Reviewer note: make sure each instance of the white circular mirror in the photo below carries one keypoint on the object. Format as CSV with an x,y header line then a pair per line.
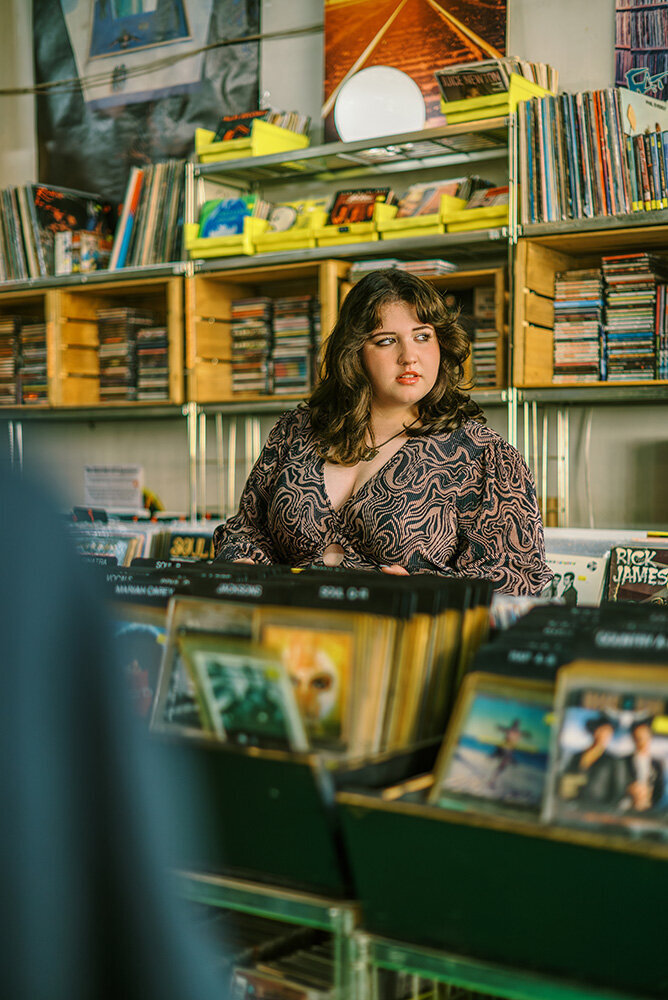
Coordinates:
x,y
380,100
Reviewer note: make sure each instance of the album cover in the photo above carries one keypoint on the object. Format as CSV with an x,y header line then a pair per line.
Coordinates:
x,y
319,662
243,691
139,635
176,708
609,751
495,751
639,573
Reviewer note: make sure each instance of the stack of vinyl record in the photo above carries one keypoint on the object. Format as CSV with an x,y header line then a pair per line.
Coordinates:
x,y
152,364
293,343
251,345
630,315
117,330
578,326
32,351
9,390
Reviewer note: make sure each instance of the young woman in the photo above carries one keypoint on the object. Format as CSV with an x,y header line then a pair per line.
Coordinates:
x,y
389,465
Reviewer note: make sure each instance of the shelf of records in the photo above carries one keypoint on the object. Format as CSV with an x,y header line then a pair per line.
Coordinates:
x,y
92,344
245,334
591,565
600,153
48,232
591,310
245,224
255,332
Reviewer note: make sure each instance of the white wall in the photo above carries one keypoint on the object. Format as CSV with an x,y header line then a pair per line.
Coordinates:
x,y
628,468
18,155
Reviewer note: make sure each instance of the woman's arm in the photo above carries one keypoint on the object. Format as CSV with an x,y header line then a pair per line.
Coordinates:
x,y
246,535
500,532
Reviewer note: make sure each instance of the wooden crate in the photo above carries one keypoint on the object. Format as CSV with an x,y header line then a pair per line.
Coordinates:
x,y
538,260
72,344
208,300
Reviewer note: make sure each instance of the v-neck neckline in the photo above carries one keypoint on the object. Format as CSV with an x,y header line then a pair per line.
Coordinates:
x,y
361,487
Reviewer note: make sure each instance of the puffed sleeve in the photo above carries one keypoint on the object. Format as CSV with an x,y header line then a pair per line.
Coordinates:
x,y
247,535
499,527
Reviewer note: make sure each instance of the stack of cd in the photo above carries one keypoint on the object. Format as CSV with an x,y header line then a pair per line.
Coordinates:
x,y
483,352
662,332
362,267
152,363
578,326
32,351
251,345
427,268
485,336
293,344
117,330
630,315
10,393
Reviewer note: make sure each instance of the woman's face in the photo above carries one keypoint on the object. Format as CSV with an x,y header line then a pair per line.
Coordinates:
x,y
401,358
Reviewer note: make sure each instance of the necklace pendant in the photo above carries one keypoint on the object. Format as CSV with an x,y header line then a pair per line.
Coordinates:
x,y
369,454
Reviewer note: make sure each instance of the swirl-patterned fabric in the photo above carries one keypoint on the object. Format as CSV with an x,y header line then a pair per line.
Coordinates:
x,y
459,503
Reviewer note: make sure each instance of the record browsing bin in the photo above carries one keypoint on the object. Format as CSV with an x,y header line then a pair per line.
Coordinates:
x,y
271,814
264,140
509,890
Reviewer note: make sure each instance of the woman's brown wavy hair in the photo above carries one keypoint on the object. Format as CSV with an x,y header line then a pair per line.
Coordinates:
x,y
340,405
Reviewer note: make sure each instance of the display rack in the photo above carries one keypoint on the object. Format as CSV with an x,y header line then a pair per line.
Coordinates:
x,y
434,147
334,916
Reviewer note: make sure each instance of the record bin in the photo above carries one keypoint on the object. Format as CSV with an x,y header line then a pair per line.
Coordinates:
x,y
570,904
271,815
264,140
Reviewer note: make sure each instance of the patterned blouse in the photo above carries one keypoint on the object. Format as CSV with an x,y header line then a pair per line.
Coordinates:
x,y
457,503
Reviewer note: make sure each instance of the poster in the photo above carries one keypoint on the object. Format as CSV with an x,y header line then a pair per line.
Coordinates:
x,y
145,74
641,47
415,36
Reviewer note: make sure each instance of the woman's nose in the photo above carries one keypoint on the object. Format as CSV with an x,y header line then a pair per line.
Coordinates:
x,y
407,353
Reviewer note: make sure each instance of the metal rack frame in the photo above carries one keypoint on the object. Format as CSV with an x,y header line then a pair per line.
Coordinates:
x,y
335,916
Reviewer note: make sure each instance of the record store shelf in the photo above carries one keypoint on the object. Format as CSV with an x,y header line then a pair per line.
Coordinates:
x,y
435,147
467,246
96,277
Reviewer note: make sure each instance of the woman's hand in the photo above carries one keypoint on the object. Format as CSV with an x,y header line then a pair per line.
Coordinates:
x,y
395,570
249,562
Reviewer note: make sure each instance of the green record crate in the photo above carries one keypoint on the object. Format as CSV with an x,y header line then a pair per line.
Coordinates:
x,y
564,903
271,816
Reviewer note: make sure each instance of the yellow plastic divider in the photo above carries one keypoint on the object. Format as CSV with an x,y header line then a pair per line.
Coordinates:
x,y
392,228
300,236
264,139
223,246
471,109
478,218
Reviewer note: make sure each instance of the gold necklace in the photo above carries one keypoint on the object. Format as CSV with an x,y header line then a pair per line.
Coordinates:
x,y
371,453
